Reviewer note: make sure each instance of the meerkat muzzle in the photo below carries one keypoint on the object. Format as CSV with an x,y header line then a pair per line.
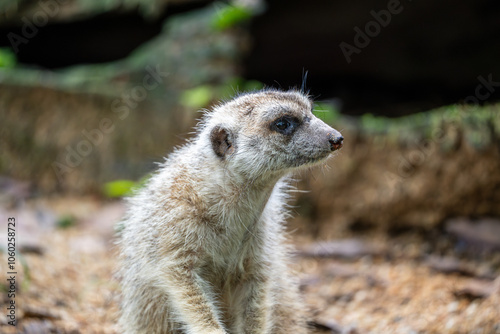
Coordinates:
x,y
336,142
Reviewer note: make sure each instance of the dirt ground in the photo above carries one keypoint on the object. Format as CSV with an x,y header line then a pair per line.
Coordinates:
x,y
371,283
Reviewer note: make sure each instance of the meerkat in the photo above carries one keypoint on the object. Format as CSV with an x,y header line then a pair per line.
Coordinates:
x,y
203,246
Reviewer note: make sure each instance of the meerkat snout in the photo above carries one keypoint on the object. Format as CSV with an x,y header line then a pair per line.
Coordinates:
x,y
336,141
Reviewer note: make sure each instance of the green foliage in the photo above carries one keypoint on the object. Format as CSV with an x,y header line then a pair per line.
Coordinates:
x,y
230,15
142,182
7,58
66,222
148,8
238,84
201,96
374,123
27,273
26,270
478,126
198,97
326,112
482,125
119,188
252,85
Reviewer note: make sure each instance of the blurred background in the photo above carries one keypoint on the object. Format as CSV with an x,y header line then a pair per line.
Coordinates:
x,y
400,233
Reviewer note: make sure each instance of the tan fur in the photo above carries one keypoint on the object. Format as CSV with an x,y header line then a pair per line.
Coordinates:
x,y
203,246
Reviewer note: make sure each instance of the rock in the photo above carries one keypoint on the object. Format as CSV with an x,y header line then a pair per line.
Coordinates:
x,y
38,327
483,233
449,265
347,248
476,288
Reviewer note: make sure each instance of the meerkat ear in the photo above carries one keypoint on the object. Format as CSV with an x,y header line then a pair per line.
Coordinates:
x,y
222,141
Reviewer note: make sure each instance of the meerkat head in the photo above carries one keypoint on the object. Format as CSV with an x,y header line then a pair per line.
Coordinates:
x,y
269,132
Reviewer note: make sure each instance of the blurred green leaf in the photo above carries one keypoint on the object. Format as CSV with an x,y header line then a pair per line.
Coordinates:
x,y
118,188
252,85
236,85
27,272
7,58
229,16
198,97
375,124
66,221
326,112
143,181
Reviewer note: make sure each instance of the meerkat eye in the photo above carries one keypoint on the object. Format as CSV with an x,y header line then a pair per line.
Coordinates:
x,y
282,124
285,125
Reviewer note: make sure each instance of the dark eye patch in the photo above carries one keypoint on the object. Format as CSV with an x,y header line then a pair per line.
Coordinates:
x,y
285,125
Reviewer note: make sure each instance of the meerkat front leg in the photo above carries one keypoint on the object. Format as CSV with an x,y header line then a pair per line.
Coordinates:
x,y
257,317
255,314
191,302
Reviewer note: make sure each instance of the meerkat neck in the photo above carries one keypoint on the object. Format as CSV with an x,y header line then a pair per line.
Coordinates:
x,y
242,191
232,193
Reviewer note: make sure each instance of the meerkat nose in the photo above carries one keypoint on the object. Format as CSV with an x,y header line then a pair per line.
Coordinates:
x,y
335,142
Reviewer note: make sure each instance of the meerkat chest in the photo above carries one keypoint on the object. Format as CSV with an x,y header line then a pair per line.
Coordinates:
x,y
239,242
245,235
